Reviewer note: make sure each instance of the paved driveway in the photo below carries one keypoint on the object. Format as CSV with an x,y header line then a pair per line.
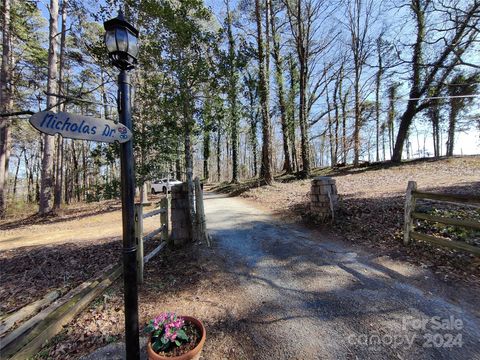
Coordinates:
x,y
310,297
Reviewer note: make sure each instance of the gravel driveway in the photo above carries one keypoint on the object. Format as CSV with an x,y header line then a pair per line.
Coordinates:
x,y
309,297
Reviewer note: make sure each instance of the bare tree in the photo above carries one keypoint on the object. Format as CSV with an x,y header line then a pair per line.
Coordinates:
x,y
305,20
5,103
278,59
253,112
337,106
378,104
392,114
459,89
291,106
343,98
447,45
435,117
57,201
232,93
46,185
360,18
266,169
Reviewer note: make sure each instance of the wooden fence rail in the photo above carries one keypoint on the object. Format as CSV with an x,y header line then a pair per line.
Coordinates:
x,y
413,195
164,229
29,336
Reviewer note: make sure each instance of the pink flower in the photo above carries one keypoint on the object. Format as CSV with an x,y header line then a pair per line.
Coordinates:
x,y
170,333
170,324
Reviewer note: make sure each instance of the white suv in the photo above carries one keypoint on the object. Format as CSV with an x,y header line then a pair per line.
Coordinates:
x,y
163,185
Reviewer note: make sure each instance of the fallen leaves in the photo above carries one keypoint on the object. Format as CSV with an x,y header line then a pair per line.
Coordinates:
x,y
371,208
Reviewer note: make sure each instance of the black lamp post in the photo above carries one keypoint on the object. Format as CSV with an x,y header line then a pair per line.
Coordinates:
x,y
121,39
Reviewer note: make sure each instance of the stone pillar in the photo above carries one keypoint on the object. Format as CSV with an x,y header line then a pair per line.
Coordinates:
x,y
323,198
180,217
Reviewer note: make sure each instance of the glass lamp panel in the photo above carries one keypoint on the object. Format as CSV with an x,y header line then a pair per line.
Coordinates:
x,y
110,41
132,44
122,41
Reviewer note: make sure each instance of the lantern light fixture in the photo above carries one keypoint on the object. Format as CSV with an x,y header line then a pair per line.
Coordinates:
x,y
121,39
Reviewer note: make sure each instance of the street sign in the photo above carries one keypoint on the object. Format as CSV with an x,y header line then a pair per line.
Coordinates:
x,y
80,127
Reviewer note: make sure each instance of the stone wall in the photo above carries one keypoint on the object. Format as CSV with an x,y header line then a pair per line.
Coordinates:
x,y
323,198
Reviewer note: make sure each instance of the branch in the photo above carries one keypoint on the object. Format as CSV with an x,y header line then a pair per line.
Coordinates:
x,y
319,117
17,113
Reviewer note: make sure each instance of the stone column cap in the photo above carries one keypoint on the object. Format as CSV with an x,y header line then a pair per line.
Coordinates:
x,y
323,180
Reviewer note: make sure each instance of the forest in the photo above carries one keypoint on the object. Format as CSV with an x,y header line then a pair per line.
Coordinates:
x,y
231,90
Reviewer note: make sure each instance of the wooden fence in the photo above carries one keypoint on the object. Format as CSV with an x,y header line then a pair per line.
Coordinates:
x,y
37,323
410,214
140,238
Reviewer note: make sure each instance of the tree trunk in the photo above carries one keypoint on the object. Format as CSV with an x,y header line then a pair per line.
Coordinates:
x,y
344,127
37,179
252,88
302,41
189,171
287,164
178,170
436,139
5,104
57,200
188,121
253,142
391,116
337,93
227,155
232,95
29,176
402,135
16,173
219,153
305,149
84,170
415,93
329,129
451,131
378,80
67,175
48,146
266,169
291,111
358,118
76,172
434,114
206,154
383,141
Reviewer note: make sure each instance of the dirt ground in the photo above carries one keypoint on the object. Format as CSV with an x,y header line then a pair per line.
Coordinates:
x,y
38,255
191,280
371,209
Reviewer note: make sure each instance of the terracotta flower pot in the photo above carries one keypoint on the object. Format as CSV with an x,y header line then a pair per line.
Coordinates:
x,y
193,354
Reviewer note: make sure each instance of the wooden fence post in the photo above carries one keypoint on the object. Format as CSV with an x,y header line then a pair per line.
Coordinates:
x,y
200,212
139,240
165,218
410,204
